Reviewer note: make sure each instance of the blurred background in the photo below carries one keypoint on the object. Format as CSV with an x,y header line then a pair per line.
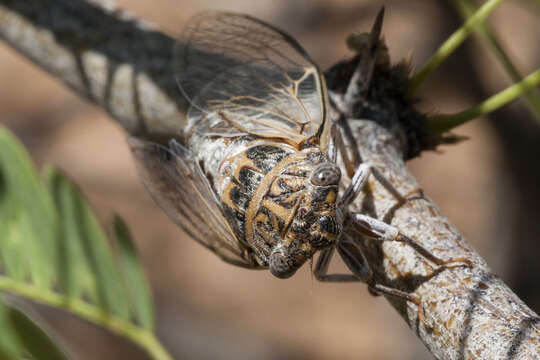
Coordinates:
x,y
488,186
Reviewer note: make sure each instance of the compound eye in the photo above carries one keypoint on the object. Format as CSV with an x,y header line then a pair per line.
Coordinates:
x,y
326,174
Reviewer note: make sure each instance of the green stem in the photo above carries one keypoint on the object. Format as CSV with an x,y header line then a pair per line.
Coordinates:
x,y
442,123
467,9
451,44
137,335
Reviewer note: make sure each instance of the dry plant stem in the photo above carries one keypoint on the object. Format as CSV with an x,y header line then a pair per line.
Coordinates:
x,y
105,55
472,313
124,66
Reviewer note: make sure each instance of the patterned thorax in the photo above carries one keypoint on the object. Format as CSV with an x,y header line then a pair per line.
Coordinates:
x,y
269,198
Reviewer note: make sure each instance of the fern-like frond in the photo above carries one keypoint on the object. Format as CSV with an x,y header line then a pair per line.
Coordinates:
x,y
53,251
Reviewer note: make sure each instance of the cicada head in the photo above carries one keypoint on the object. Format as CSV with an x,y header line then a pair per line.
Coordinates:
x,y
316,225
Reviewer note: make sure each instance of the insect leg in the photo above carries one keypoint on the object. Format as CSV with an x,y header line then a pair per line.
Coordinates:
x,y
392,189
395,293
350,161
358,181
356,262
361,174
379,230
321,269
332,144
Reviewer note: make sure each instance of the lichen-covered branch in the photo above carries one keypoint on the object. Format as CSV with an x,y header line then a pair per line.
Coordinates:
x,y
124,66
472,314
104,54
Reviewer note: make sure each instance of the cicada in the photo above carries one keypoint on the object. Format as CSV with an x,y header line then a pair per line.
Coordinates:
x,y
253,181
255,178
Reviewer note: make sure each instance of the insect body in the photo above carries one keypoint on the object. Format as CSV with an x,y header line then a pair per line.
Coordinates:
x,y
254,182
281,203
256,179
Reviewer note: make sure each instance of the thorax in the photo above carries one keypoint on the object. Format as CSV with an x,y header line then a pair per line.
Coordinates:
x,y
258,182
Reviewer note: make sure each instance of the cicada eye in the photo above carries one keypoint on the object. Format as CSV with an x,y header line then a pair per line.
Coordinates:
x,y
326,174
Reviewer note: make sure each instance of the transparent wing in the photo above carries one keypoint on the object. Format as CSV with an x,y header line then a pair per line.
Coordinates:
x,y
237,69
176,183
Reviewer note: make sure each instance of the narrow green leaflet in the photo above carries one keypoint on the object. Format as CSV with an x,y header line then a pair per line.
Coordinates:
x,y
53,251
87,266
10,343
27,218
36,343
135,280
21,337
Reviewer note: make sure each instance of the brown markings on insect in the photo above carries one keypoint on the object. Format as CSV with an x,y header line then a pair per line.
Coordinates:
x,y
274,208
250,168
254,221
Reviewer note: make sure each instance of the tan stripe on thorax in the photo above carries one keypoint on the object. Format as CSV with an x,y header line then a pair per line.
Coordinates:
x,y
263,189
242,162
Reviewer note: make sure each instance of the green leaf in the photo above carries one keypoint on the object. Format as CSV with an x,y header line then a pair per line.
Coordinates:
x,y
10,344
21,337
134,278
33,339
86,266
27,217
53,251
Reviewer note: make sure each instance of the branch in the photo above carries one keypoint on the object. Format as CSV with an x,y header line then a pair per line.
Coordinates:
x,y
472,313
124,66
104,54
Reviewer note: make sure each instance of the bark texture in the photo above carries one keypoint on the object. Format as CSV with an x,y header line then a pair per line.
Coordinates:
x,y
472,314
116,61
124,66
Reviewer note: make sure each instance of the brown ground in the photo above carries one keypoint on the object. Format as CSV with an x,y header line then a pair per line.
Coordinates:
x,y
208,309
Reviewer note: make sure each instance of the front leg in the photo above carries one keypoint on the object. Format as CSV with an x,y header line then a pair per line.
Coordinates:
x,y
321,269
379,230
358,171
359,180
356,262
